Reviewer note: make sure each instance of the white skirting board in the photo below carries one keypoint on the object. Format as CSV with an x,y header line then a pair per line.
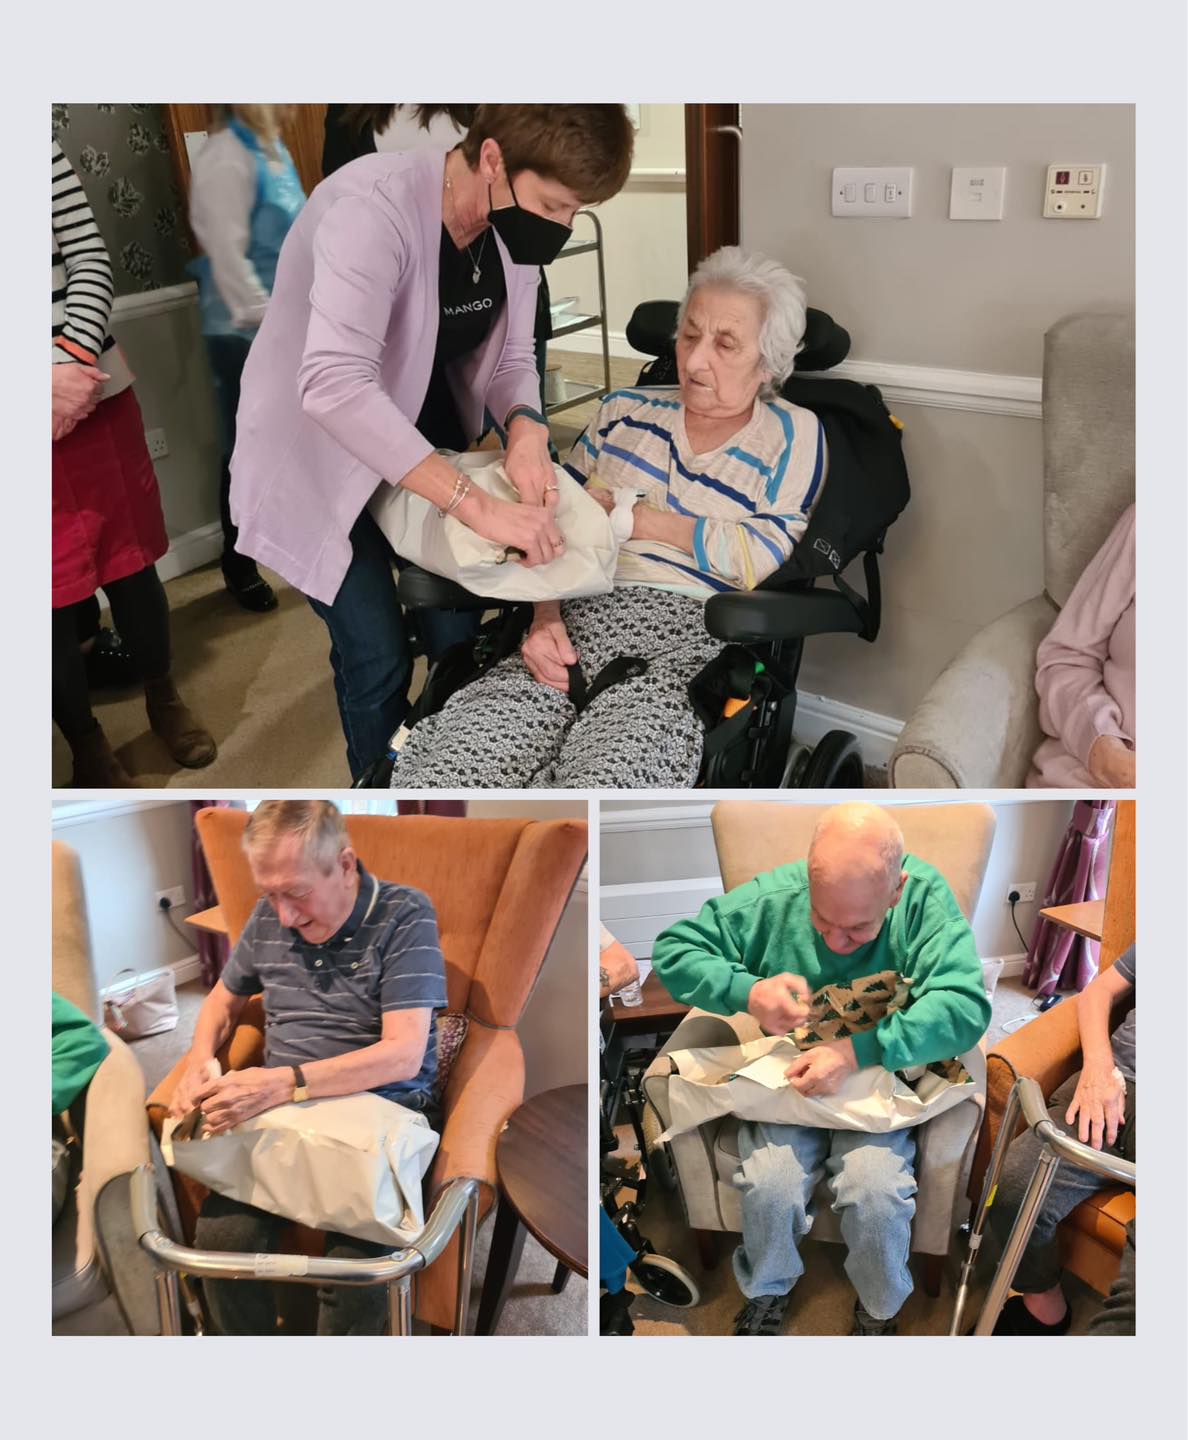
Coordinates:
x,y
191,551
818,714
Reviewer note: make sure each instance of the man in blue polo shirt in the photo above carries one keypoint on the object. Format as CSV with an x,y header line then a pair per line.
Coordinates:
x,y
351,972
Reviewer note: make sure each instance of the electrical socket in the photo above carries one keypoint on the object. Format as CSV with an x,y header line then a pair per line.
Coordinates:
x,y
176,896
1026,889
158,446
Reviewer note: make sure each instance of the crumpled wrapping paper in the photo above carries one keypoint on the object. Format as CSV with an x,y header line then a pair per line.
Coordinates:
x,y
353,1163
747,1081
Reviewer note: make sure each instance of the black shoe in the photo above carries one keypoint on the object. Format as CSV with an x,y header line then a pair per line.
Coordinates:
x,y
761,1316
614,1317
247,586
109,663
1016,1319
865,1324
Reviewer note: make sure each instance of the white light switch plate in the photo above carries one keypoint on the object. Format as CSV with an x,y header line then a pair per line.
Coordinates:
x,y
1073,192
879,190
976,192
195,139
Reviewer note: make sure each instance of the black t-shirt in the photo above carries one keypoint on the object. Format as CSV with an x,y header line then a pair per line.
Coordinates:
x,y
468,308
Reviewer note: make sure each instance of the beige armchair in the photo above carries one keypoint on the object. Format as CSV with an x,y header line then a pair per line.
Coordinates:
x,y
101,1284
752,837
978,725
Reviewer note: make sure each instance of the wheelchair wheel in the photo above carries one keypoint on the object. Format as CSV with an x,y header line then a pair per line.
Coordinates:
x,y
835,764
798,759
664,1280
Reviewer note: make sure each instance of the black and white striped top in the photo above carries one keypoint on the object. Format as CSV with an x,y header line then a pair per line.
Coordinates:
x,y
82,284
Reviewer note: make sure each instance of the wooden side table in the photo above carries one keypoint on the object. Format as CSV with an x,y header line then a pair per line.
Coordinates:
x,y
1086,918
540,1161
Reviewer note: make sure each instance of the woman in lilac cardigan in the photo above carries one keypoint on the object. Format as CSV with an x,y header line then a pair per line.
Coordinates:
x,y
1085,675
403,307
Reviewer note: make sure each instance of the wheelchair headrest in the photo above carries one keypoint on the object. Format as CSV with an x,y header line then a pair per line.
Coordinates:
x,y
653,325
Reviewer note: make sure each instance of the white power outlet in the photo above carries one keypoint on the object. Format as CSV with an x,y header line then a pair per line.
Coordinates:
x,y
1026,889
158,446
176,895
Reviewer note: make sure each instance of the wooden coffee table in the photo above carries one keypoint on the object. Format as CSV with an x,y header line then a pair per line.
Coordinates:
x,y
540,1159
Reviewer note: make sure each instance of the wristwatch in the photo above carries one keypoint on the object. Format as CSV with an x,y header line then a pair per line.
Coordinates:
x,y
300,1088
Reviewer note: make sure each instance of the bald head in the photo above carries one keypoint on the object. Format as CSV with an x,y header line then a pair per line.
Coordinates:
x,y
855,867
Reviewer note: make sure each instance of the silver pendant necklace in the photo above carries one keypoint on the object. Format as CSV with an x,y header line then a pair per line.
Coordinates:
x,y
476,273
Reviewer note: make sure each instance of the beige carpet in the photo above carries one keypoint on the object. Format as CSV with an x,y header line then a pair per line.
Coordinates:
x,y
531,1307
823,1301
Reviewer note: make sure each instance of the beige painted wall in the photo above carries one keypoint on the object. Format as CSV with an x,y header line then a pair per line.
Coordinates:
x,y
1025,843
125,859
644,233
174,390
933,292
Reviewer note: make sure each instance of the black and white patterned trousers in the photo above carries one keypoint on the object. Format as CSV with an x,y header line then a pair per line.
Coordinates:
x,y
506,730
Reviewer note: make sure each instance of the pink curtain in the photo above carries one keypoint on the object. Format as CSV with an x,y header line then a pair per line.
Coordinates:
x,y
212,949
431,807
1059,959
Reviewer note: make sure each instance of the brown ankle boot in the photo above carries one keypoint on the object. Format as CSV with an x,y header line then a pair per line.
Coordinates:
x,y
95,764
186,740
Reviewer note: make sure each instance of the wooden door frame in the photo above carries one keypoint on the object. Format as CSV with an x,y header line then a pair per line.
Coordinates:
x,y
712,163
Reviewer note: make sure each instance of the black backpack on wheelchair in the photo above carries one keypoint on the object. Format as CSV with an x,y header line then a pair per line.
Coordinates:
x,y
746,697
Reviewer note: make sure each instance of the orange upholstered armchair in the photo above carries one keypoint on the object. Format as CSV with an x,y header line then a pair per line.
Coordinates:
x,y
1049,1051
499,888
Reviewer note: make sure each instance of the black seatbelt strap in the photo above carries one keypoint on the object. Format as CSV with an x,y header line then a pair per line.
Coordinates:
x,y
625,667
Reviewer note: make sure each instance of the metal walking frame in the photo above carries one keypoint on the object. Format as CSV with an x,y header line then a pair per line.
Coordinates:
x,y
1055,1146
456,1209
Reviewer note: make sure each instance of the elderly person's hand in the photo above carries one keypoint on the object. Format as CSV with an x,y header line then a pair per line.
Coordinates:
x,y
780,1003
240,1094
195,1077
528,463
1111,763
547,649
76,390
620,968
1098,1105
821,1070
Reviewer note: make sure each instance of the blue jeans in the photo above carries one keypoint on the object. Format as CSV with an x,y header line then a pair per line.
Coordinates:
x,y
370,648
873,1185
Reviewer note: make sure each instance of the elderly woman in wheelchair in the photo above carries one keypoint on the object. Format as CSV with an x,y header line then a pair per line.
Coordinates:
x,y
725,475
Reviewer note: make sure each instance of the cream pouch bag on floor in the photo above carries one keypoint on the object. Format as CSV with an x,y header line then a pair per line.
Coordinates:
x,y
354,1163
444,546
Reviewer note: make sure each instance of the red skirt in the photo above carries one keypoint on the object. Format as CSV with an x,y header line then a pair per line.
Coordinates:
x,y
107,507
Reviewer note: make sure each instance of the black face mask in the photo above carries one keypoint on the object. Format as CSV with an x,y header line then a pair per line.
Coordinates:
x,y
530,238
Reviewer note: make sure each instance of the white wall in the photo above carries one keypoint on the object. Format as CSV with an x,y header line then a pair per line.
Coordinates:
x,y
128,850
644,235
672,841
970,299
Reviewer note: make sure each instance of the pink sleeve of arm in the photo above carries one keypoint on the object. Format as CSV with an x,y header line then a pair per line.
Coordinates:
x,y
516,381
359,255
1075,706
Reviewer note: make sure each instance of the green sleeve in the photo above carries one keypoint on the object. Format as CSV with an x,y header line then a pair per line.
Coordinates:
x,y
948,1010
78,1051
699,962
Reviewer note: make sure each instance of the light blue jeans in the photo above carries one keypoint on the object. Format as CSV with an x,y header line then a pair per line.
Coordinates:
x,y
873,1183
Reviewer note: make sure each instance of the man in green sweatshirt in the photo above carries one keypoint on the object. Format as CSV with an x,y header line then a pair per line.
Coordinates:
x,y
857,906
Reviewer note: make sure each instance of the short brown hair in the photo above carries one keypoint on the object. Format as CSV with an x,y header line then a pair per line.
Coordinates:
x,y
586,147
318,823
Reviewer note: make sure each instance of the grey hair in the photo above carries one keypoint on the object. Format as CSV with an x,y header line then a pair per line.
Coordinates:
x,y
870,822
781,297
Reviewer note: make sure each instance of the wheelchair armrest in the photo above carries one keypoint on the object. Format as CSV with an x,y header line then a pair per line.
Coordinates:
x,y
750,615
420,590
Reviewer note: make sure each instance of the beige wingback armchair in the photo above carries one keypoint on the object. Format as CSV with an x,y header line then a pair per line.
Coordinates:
x,y
978,724
752,837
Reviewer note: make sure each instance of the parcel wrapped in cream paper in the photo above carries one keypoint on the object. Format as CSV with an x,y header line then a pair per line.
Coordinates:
x,y
748,1081
354,1163
441,544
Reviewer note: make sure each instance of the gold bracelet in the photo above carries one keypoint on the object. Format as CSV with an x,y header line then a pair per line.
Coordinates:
x,y
462,486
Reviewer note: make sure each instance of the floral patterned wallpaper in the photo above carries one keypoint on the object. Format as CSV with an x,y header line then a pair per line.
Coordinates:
x,y
121,155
